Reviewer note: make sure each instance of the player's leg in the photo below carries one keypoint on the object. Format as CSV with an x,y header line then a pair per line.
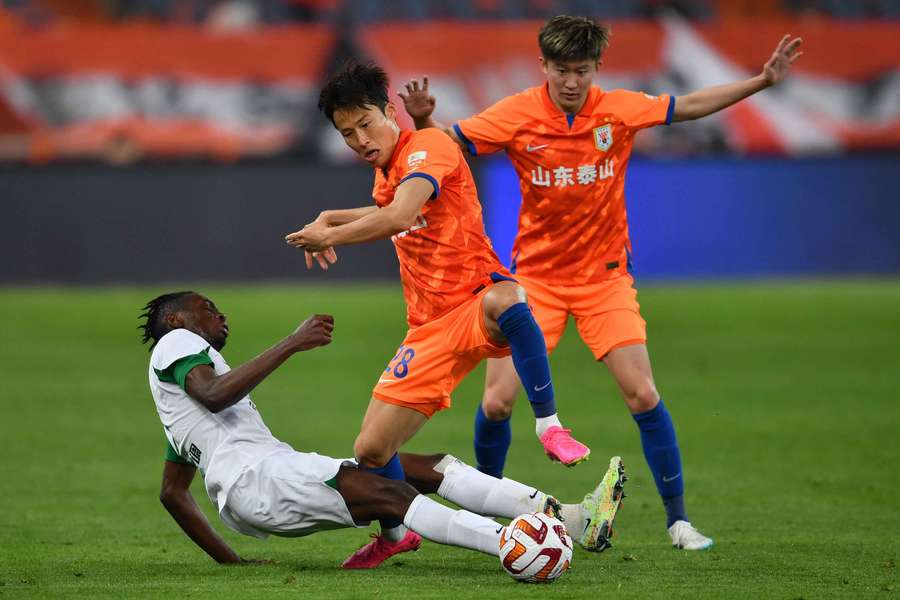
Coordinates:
x,y
493,433
502,386
454,480
630,366
509,319
370,497
608,318
469,488
385,428
609,321
411,389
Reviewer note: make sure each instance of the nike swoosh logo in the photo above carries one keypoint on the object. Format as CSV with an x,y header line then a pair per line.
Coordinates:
x,y
534,495
543,387
588,524
668,479
530,148
387,381
499,530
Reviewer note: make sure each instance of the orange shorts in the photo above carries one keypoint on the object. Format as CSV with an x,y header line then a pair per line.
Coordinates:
x,y
607,314
435,357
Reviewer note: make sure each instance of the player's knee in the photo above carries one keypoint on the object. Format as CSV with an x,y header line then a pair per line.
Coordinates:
x,y
497,403
370,455
500,297
642,397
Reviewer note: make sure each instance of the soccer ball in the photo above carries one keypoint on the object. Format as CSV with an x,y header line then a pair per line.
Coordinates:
x,y
535,548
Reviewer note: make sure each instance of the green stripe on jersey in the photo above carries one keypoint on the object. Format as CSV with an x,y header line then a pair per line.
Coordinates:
x,y
178,370
173,456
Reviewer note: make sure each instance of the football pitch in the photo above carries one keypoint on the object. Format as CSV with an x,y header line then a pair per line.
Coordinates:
x,y
784,395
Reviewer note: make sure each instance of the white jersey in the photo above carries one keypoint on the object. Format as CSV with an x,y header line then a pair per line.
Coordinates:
x,y
222,445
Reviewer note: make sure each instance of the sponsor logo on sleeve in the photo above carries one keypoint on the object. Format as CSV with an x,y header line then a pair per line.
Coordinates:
x,y
416,159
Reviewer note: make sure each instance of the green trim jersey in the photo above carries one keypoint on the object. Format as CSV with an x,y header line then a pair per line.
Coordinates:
x,y
222,445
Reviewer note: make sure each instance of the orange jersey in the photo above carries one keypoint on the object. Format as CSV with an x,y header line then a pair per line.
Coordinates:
x,y
445,255
572,225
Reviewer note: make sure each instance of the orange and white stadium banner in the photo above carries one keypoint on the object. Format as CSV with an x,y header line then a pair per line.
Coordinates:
x,y
844,94
144,90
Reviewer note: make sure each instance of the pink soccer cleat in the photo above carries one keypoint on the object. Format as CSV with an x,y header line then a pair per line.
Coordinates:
x,y
560,446
380,549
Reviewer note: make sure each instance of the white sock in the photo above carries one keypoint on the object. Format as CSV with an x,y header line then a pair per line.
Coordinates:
x,y
542,424
444,525
394,534
473,490
575,521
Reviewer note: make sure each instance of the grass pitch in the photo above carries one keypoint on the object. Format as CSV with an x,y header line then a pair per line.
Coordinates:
x,y
784,397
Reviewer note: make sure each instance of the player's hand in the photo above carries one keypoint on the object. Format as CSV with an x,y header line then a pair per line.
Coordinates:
x,y
779,64
417,101
313,332
311,238
324,258
324,218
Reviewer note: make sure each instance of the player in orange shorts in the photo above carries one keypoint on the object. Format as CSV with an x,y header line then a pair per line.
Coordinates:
x,y
570,142
462,305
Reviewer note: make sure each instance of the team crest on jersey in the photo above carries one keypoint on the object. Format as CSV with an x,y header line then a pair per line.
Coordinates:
x,y
416,159
603,137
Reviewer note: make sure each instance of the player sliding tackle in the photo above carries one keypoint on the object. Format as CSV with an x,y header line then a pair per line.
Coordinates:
x,y
261,486
462,304
570,142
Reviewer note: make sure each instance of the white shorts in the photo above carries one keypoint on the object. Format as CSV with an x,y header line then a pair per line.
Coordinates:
x,y
288,494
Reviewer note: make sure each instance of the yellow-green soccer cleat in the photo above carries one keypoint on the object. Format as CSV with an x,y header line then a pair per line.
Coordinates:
x,y
599,508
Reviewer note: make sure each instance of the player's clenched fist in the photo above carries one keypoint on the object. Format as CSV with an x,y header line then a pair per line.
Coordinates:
x,y
313,332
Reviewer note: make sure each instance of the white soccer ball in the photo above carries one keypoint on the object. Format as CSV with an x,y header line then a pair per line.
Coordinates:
x,y
535,548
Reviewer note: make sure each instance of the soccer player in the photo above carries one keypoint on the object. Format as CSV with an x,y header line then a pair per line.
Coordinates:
x,y
260,485
462,305
570,142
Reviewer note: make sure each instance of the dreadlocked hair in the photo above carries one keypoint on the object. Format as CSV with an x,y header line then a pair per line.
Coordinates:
x,y
155,313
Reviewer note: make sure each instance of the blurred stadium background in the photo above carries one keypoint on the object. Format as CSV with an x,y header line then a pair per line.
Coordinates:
x,y
146,142
112,112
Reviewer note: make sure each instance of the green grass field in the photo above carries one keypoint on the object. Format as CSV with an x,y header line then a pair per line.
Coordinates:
x,y
784,396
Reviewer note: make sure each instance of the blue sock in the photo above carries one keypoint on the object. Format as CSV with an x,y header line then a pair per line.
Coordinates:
x,y
529,354
392,470
492,439
664,458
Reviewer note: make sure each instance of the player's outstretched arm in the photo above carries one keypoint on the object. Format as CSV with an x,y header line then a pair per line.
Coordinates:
x,y
175,495
396,217
218,392
419,104
333,218
713,99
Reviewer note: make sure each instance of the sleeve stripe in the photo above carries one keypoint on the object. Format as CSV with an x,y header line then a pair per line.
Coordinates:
x,y
186,364
437,188
173,456
671,111
472,149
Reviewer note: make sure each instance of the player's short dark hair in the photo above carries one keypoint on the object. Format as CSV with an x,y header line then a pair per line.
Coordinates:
x,y
155,311
570,39
355,86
